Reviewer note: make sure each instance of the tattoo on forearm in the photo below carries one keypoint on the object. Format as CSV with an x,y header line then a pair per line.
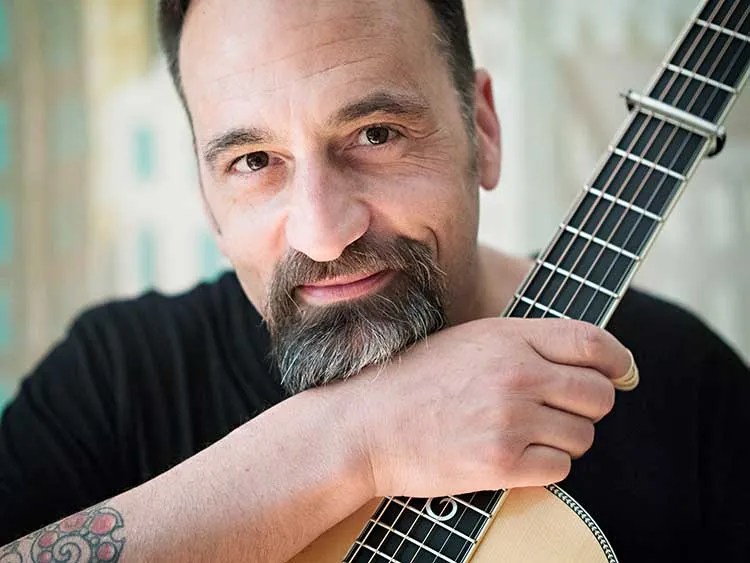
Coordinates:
x,y
94,535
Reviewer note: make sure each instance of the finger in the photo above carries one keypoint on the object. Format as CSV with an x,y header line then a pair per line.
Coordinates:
x,y
580,391
561,430
630,380
577,343
540,465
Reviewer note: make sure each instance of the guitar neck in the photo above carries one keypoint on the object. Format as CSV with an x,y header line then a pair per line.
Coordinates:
x,y
584,271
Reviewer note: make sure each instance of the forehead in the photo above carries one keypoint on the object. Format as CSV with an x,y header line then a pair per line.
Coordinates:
x,y
235,54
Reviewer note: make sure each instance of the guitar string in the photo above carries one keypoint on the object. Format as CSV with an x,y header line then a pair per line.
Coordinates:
x,y
384,504
463,512
374,521
539,271
420,514
482,520
565,253
692,106
458,520
703,30
612,205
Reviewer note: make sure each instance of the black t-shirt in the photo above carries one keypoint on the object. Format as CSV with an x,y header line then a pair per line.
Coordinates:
x,y
138,386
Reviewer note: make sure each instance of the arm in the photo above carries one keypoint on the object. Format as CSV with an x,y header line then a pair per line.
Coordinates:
x,y
490,404
262,493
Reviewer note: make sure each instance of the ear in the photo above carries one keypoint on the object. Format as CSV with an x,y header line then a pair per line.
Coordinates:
x,y
487,130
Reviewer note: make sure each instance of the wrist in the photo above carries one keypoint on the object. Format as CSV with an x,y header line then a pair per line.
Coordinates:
x,y
342,423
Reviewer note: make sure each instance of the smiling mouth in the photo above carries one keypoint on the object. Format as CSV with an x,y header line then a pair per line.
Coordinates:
x,y
344,288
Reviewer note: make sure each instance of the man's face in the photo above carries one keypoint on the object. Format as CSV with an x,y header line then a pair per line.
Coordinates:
x,y
328,130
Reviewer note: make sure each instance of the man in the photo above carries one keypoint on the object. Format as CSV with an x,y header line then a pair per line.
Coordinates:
x,y
341,146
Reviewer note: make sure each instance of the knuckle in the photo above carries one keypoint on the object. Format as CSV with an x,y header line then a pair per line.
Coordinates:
x,y
591,340
563,469
608,398
516,375
587,438
505,453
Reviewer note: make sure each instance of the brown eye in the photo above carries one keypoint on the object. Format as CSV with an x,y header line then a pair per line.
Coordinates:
x,y
256,160
377,135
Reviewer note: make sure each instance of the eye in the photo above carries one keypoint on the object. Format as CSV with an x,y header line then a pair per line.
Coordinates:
x,y
376,135
251,162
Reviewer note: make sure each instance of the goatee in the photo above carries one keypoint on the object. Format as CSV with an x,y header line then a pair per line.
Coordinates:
x,y
314,345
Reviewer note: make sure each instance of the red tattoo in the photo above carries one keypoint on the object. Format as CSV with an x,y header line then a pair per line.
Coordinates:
x,y
93,535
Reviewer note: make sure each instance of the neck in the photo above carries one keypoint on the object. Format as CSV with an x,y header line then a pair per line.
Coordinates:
x,y
498,276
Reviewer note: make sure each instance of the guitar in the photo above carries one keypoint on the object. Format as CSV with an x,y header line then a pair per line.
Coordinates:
x,y
582,274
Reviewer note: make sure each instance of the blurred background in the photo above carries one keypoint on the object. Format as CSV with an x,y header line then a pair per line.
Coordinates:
x,y
98,191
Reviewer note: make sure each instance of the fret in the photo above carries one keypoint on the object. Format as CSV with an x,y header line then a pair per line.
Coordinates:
x,y
648,190
715,55
732,15
537,310
410,508
487,499
387,543
692,92
623,203
720,29
575,299
665,144
578,279
393,546
518,308
601,265
701,78
599,241
615,227
645,162
456,534
371,555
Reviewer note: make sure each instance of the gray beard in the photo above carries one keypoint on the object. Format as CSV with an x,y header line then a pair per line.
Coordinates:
x,y
312,346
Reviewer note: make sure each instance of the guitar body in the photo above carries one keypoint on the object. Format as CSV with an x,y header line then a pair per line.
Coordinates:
x,y
532,525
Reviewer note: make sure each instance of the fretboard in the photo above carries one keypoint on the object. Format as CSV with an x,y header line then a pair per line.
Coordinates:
x,y
584,271
440,529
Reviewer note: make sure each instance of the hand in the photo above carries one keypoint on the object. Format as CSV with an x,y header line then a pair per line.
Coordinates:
x,y
490,404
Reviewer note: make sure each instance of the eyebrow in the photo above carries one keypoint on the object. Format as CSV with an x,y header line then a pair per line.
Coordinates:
x,y
380,102
234,138
377,102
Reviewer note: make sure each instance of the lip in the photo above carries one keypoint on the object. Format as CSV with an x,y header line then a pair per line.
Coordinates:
x,y
344,287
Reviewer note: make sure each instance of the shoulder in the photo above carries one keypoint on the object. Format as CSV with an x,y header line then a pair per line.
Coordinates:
x,y
212,328
152,311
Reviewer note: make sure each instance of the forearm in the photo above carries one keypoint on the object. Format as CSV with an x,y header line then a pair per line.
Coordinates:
x,y
260,494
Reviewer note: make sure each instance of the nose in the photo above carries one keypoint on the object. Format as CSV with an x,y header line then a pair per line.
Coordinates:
x,y
326,212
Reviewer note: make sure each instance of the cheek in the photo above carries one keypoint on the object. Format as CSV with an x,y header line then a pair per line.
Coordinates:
x,y
251,242
439,209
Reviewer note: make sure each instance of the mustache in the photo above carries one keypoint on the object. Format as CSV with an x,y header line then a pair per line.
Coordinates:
x,y
368,254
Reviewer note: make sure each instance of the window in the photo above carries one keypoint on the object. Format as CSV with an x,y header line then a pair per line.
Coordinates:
x,y
147,258
6,233
69,137
143,153
211,259
6,325
5,143
5,39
